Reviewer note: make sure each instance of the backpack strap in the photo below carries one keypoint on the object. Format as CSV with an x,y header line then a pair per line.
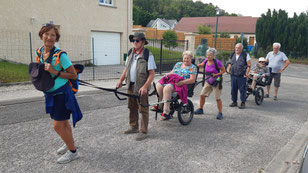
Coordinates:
x,y
146,53
129,52
51,54
216,66
38,54
58,55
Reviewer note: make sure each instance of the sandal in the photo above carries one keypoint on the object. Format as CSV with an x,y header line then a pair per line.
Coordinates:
x,y
165,116
155,108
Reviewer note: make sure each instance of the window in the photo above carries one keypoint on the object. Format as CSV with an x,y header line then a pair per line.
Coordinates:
x,y
106,2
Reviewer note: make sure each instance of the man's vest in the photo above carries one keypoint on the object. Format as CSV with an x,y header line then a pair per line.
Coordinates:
x,y
239,66
142,73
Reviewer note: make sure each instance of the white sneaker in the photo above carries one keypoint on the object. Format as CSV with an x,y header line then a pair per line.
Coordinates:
x,y
67,157
62,150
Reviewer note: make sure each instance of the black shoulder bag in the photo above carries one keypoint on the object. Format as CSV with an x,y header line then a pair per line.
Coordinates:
x,y
41,79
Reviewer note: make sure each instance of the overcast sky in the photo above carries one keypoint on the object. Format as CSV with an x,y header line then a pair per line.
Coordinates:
x,y
256,7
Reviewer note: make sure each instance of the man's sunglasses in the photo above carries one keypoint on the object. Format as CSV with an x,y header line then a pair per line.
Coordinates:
x,y
137,41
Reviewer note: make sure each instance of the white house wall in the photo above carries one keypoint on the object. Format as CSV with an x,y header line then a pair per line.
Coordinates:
x,y
76,18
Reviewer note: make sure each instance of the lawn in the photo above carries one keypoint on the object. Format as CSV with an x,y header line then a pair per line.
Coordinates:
x,y
169,56
10,72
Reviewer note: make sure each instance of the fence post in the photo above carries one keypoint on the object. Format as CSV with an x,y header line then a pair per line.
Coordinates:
x,y
161,56
93,58
30,46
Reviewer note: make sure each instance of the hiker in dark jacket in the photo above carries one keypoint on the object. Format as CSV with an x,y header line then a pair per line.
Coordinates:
x,y
239,70
60,100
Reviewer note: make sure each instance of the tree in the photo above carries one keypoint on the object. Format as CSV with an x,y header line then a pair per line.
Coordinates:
x,y
172,9
291,33
170,39
204,29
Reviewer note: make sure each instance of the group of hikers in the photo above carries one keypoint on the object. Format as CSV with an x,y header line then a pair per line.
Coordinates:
x,y
139,74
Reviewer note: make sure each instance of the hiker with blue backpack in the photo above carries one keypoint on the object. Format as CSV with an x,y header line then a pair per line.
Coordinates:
x,y
51,74
214,70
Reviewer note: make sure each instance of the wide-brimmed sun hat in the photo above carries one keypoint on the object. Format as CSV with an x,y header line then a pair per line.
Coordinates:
x,y
138,35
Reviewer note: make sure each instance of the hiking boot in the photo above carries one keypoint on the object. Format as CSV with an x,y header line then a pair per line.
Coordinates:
x,y
67,157
219,116
62,150
199,111
275,97
141,136
242,106
233,104
131,131
165,116
266,96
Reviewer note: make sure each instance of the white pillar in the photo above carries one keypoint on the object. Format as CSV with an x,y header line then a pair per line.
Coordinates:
x,y
191,37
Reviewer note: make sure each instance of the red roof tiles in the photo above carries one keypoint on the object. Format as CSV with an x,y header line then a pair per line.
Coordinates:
x,y
230,24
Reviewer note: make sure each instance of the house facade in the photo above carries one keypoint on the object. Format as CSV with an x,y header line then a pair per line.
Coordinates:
x,y
162,24
96,29
234,25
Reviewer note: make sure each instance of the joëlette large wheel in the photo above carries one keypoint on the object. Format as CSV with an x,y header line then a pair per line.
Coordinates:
x,y
259,95
186,113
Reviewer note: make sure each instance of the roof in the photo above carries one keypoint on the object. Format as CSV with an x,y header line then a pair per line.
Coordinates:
x,y
168,22
230,24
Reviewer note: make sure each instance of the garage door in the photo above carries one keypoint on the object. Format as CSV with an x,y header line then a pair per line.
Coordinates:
x,y
106,48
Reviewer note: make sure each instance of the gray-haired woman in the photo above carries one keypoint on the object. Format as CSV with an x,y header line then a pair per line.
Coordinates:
x,y
213,69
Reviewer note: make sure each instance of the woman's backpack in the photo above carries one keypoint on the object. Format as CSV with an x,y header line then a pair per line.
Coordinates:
x,y
42,80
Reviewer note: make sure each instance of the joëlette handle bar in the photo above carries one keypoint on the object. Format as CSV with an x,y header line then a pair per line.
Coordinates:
x,y
116,92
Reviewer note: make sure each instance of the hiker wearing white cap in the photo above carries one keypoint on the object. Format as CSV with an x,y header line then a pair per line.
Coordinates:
x,y
258,71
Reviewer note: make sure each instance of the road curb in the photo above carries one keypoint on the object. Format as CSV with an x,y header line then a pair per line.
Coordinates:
x,y
41,98
289,158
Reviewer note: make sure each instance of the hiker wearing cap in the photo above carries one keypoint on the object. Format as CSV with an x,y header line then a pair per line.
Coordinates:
x,y
139,74
275,61
60,100
239,69
258,71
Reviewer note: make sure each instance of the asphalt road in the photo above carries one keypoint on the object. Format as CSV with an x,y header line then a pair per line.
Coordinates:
x,y
244,141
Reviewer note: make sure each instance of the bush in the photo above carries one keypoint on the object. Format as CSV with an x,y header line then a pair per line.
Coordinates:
x,y
225,35
204,29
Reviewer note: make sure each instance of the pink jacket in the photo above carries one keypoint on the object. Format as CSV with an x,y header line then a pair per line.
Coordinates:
x,y
172,79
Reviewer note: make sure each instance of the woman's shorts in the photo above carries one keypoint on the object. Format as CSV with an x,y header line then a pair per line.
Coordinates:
x,y
60,113
207,90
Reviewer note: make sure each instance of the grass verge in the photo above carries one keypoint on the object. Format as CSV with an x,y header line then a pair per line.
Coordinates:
x,y
10,72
